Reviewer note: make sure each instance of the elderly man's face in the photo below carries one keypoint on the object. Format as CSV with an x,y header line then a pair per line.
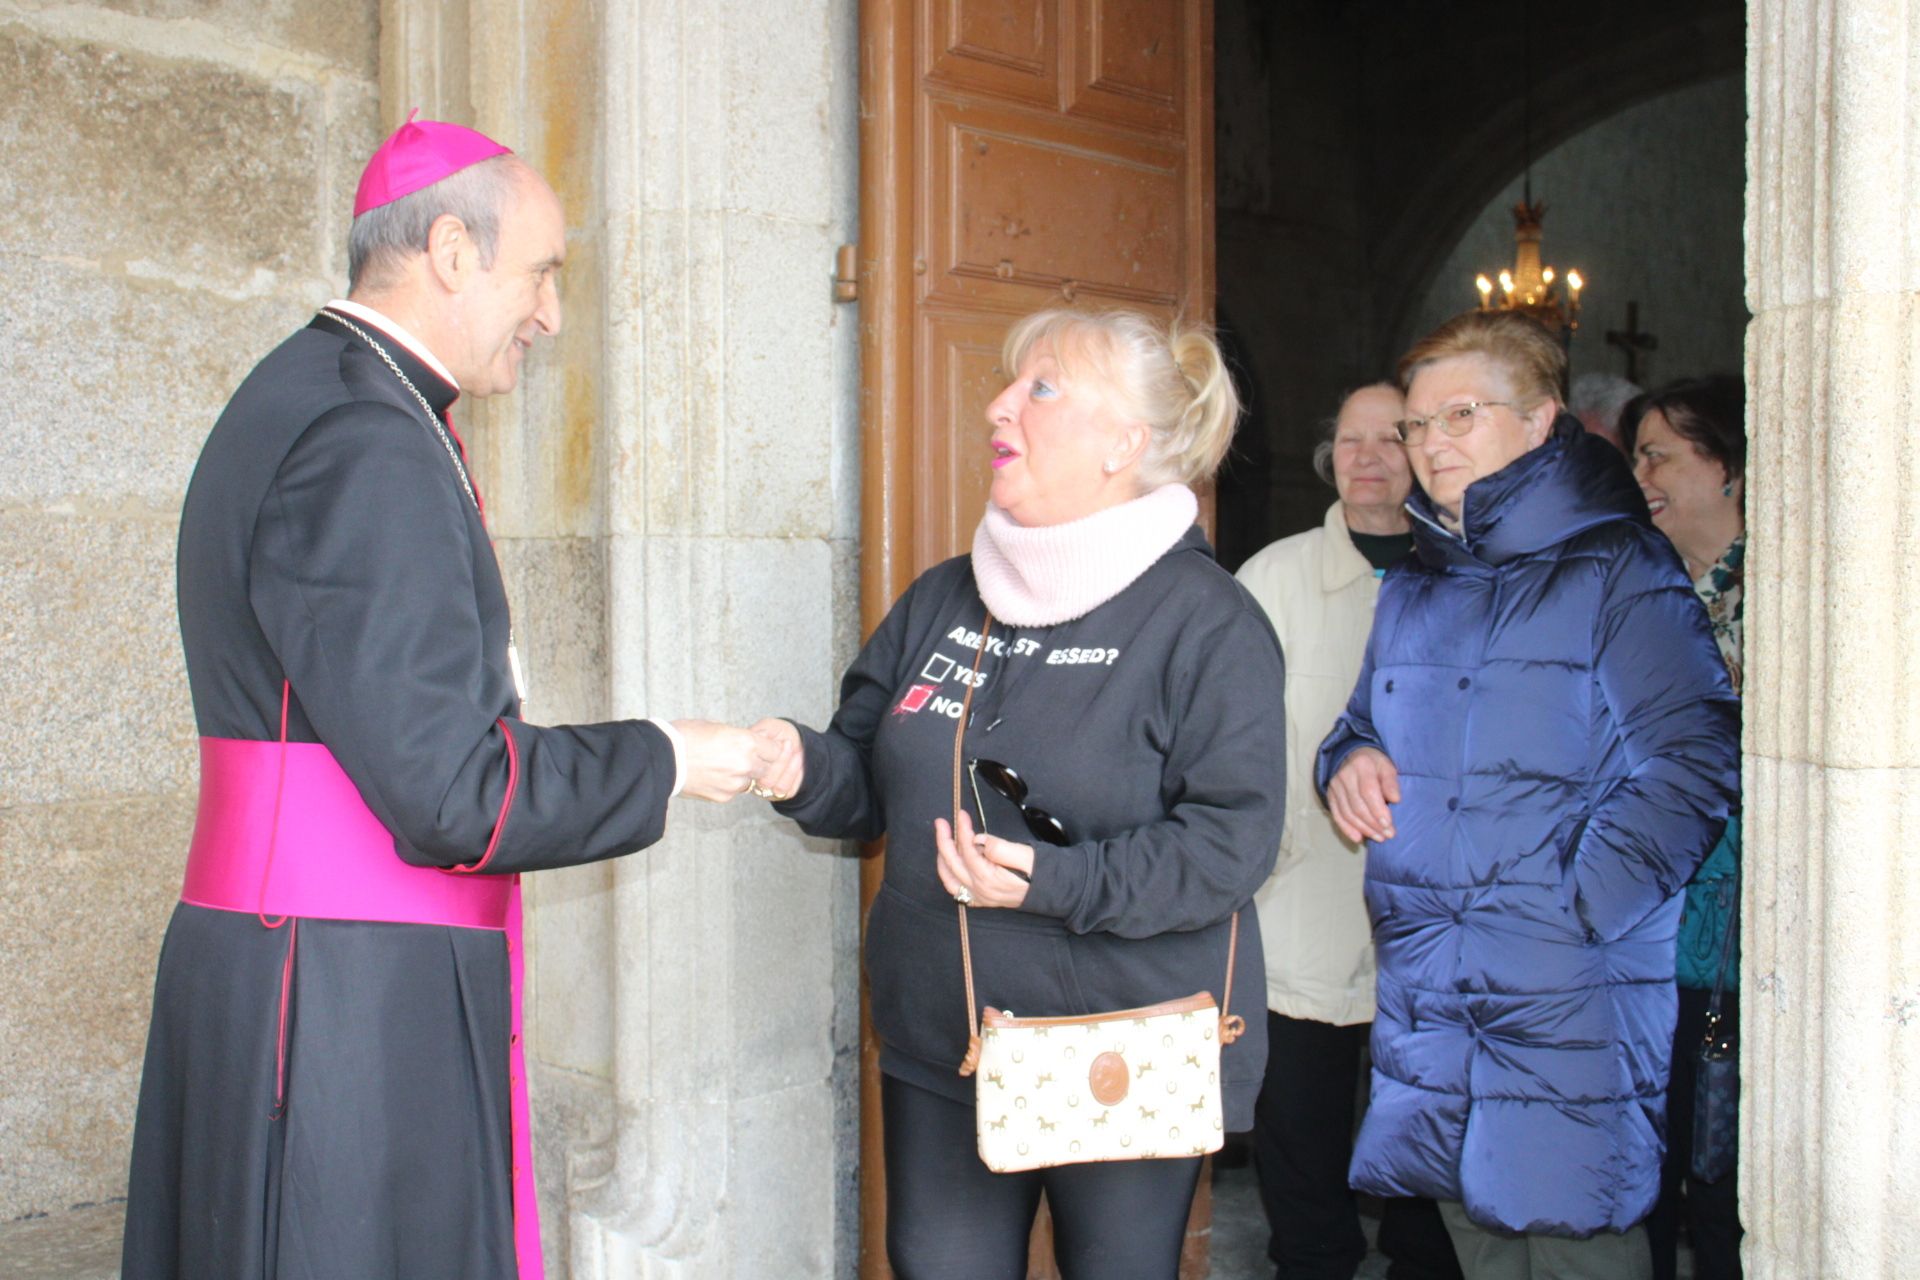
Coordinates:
x,y
506,306
1369,462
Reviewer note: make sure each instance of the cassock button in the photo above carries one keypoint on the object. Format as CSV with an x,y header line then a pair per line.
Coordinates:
x,y
1453,802
1464,682
1389,686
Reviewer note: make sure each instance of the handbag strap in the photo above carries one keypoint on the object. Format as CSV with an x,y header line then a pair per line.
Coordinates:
x,y
972,1060
1726,954
1231,1025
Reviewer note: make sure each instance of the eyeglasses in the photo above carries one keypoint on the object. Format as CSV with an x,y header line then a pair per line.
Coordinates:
x,y
1006,782
1454,420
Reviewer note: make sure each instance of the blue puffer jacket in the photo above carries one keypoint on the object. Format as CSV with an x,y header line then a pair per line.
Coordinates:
x,y
1567,744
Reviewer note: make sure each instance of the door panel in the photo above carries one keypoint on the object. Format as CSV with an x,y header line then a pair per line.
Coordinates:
x,y
996,48
1130,61
1018,221
1014,155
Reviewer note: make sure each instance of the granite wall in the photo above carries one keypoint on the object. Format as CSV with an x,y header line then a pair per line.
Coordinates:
x,y
174,178
675,492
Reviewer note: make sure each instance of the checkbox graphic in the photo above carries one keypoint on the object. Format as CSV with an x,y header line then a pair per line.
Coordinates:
x,y
938,668
916,698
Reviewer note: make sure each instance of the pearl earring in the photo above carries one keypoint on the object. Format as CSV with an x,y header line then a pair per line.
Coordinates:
x,y
1109,466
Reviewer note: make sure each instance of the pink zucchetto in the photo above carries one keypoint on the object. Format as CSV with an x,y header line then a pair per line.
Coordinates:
x,y
419,154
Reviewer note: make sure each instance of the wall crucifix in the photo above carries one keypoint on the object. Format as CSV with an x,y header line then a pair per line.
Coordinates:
x,y
1632,341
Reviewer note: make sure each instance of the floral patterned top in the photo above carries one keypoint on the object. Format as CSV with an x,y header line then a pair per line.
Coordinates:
x,y
1720,589
1711,893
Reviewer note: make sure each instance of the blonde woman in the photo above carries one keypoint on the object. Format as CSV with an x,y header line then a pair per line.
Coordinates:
x,y
1127,736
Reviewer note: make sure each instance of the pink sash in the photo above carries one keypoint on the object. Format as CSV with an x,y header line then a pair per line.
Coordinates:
x,y
282,832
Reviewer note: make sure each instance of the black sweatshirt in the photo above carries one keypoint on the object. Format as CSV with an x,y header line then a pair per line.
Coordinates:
x,y
1153,728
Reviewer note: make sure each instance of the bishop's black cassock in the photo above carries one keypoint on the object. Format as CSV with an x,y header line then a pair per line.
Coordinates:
x,y
329,1092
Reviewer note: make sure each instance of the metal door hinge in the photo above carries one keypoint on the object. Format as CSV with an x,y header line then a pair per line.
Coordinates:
x,y
846,283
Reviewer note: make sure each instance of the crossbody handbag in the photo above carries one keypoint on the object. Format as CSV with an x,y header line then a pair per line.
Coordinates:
x,y
1716,1074
1134,1084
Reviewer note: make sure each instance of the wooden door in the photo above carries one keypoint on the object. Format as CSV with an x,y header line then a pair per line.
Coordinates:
x,y
1014,155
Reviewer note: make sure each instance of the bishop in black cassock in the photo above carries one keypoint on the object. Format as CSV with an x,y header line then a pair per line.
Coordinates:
x,y
333,1084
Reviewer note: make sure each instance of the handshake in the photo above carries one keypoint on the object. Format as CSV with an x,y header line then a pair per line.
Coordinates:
x,y
720,761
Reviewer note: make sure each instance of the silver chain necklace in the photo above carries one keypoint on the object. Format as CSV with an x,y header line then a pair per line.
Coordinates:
x,y
440,433
433,419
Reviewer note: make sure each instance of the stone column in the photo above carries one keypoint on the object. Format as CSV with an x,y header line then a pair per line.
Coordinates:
x,y
674,489
1830,1135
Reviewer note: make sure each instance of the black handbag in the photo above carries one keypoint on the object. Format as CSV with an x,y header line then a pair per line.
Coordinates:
x,y
1716,1075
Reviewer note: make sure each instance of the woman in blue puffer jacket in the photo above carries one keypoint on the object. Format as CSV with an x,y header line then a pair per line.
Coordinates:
x,y
1542,746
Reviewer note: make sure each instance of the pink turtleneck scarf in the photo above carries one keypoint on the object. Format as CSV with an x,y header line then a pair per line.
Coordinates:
x,y
1036,577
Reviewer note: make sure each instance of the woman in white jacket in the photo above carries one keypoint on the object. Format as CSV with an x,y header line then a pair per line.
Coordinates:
x,y
1318,588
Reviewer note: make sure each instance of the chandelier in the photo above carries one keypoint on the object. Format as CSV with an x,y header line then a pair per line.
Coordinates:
x,y
1528,286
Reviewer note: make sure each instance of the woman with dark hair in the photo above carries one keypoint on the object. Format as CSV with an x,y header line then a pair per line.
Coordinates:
x,y
1689,450
1540,748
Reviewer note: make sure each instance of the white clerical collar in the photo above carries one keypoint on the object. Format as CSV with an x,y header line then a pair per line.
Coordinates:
x,y
393,329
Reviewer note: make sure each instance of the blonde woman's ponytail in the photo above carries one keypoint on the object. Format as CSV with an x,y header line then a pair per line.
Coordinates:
x,y
1199,439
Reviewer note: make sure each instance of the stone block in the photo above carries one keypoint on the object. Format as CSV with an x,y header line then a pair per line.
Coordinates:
x,y
843,466
668,372
733,427
94,688
779,634
570,927
1787,505
782,1185
780,389
722,629
783,988
341,33
1830,992
118,408
540,451
353,132
1870,536
848,630
779,77
558,590
558,77
188,167
82,1244
683,152
572,1125
85,893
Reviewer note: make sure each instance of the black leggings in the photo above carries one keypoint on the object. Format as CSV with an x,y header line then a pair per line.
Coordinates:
x,y
949,1217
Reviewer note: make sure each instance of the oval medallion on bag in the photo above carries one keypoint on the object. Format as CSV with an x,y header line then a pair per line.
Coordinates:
x,y
1107,1078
